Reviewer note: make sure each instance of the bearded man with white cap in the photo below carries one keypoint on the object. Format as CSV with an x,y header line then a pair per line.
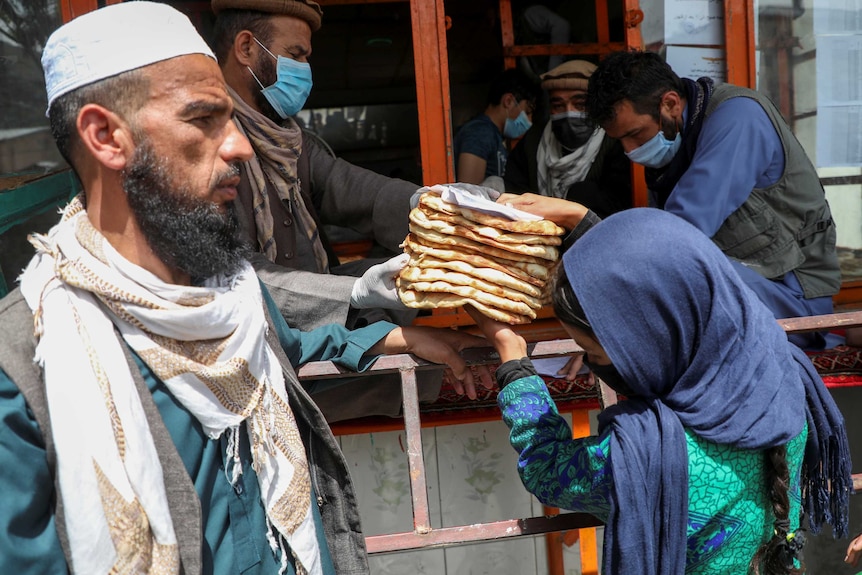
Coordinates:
x,y
152,420
573,159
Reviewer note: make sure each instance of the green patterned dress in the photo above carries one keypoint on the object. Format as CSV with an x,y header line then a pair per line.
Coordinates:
x,y
729,515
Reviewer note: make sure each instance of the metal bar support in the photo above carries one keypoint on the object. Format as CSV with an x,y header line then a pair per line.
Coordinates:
x,y
424,536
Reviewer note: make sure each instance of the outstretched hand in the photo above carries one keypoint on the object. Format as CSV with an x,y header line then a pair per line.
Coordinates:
x,y
854,551
508,343
440,345
573,366
564,213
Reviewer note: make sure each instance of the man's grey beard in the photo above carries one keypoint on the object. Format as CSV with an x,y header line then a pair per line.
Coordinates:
x,y
186,232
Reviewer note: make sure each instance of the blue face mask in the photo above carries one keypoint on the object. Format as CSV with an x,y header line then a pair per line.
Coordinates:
x,y
292,85
657,152
517,127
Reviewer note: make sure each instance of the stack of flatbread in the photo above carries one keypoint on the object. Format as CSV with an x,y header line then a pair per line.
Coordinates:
x,y
460,256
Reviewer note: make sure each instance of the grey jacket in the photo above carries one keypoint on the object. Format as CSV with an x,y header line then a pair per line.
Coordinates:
x,y
340,194
336,496
785,227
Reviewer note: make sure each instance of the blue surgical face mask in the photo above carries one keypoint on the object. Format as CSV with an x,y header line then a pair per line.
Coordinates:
x,y
517,127
657,152
292,85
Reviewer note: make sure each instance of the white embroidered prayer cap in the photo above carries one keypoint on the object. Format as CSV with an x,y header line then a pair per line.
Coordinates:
x,y
113,40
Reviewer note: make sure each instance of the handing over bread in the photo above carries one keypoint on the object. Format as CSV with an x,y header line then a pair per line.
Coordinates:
x,y
460,255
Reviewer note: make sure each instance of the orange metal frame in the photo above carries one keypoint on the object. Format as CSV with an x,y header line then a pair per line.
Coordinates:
x,y
431,60
73,8
739,26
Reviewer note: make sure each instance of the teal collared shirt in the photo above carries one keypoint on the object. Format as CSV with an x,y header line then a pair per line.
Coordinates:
x,y
233,518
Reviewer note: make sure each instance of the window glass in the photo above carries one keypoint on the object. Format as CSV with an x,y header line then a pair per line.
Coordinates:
x,y
810,63
27,152
25,140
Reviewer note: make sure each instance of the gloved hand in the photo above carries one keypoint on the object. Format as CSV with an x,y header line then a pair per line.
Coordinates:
x,y
376,287
472,189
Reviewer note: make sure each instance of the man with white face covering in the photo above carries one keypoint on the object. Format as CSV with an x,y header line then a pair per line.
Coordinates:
x,y
573,159
152,418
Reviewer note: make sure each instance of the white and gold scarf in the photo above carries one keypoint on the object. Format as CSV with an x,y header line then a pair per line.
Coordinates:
x,y
207,344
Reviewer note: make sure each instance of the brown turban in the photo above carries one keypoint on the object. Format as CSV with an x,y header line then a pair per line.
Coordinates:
x,y
307,10
571,75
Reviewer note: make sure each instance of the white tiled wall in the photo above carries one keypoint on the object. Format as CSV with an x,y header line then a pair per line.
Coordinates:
x,y
472,478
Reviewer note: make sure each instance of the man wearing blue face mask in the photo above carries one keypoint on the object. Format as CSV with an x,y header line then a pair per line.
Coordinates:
x,y
292,187
722,158
479,146
572,158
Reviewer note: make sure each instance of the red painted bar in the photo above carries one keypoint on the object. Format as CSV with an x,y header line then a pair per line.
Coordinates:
x,y
446,536
415,457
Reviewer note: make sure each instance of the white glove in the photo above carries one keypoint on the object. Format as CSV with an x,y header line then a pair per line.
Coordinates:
x,y
472,189
376,287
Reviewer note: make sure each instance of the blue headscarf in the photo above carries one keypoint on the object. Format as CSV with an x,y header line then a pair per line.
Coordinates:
x,y
699,351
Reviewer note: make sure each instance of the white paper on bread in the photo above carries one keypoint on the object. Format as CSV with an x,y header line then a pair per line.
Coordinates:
x,y
457,196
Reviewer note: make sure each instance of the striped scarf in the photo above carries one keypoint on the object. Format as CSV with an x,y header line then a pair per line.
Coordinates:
x,y
277,150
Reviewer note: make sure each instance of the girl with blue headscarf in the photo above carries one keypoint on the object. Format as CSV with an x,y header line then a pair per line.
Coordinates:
x,y
727,434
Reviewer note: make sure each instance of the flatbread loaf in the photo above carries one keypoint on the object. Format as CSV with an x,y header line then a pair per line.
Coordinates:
x,y
488,248
516,307
490,232
419,219
461,256
535,274
540,227
416,274
420,300
491,275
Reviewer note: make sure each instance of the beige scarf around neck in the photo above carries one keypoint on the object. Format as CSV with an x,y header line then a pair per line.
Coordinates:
x,y
207,345
276,153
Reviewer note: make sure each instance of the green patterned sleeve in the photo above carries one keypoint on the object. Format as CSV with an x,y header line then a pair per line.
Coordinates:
x,y
560,471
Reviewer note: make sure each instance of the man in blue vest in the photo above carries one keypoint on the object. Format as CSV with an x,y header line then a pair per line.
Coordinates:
x,y
723,158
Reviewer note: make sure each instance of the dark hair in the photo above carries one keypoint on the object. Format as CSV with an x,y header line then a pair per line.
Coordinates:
x,y
642,78
123,94
513,81
567,308
229,23
778,555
